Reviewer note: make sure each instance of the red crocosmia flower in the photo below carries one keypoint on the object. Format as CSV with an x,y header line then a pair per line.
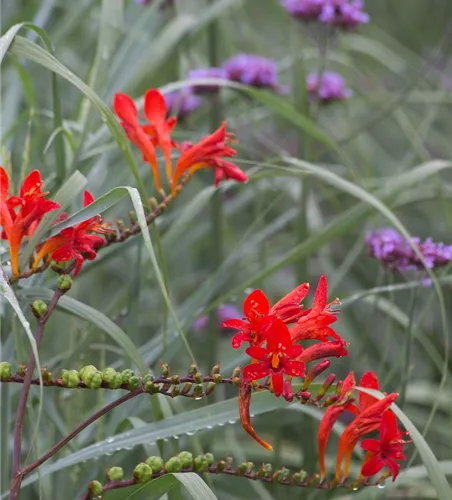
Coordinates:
x,y
323,350
207,154
75,242
289,308
314,322
277,358
20,215
387,450
148,137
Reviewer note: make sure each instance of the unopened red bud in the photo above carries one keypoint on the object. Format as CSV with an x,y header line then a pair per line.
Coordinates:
x,y
305,395
326,385
338,388
331,399
95,489
142,473
164,370
315,372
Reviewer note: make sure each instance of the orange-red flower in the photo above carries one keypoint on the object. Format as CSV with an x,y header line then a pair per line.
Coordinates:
x,y
323,350
148,137
20,215
385,451
277,358
208,153
314,324
257,307
75,242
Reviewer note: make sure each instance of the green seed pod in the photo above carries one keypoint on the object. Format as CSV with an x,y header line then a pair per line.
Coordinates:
x,y
186,459
242,468
39,308
210,458
5,370
127,375
221,465
133,383
200,463
85,370
156,463
115,473
142,473
112,378
198,391
70,378
174,464
64,282
93,380
215,369
164,370
236,372
95,489
210,388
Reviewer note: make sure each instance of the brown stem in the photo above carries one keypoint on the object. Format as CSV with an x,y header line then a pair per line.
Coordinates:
x,y
17,440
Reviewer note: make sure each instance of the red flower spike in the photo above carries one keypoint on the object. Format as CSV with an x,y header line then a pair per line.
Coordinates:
x,y
331,416
244,412
75,242
20,215
207,154
314,322
276,358
323,350
366,421
385,451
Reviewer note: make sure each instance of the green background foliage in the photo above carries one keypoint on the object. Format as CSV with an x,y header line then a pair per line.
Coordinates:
x,y
381,158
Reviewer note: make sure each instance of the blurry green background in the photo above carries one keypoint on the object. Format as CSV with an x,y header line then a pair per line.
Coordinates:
x,y
384,142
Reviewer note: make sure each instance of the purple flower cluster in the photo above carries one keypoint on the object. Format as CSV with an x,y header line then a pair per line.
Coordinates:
x,y
147,2
223,313
332,87
342,13
391,248
182,102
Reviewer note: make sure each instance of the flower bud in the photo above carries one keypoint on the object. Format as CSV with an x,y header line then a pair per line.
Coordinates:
x,y
193,369
164,370
315,372
127,375
115,473
221,465
5,370
338,388
186,459
175,392
175,379
91,376
186,388
133,383
148,378
200,463
95,489
64,282
210,458
156,463
250,467
198,391
46,374
142,473
173,465
236,372
217,378
315,479
277,476
198,378
325,386
268,469
242,468
112,378
305,396
215,369
210,388
39,308
22,370
285,474
151,387
85,370
70,378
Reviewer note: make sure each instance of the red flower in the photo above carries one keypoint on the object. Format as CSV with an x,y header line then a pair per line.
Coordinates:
x,y
207,154
257,306
323,350
314,322
277,358
75,242
148,137
20,215
385,451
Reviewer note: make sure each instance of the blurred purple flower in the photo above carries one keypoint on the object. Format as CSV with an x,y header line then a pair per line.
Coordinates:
x,y
304,9
332,87
223,313
182,102
207,73
344,13
147,2
391,248
254,70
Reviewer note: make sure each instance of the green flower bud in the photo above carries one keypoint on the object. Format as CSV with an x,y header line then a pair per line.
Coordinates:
x,y
5,370
193,369
242,468
115,473
186,459
127,375
151,387
236,372
164,370
70,378
175,379
134,383
210,388
277,476
210,458
315,479
39,308
221,465
200,463
285,473
93,380
215,369
186,388
22,370
95,489
198,378
268,469
173,465
296,478
236,381
142,473
250,467
198,391
112,378
46,375
175,392
216,378
64,282
85,370
156,463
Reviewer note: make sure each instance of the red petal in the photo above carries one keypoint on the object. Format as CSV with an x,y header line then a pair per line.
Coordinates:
x,y
293,351
370,445
255,371
31,185
259,353
277,383
88,198
125,108
321,295
326,425
256,304
370,381
293,298
64,253
372,466
239,338
389,430
293,368
4,185
154,106
276,333
394,467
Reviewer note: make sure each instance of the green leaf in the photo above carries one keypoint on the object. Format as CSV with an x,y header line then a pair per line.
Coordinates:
x,y
436,475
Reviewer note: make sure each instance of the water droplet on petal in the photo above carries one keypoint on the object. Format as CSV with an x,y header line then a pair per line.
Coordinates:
x,y
381,485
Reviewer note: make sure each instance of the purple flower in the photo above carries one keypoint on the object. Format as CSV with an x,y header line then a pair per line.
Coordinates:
x,y
254,70
391,248
223,313
332,87
344,13
207,73
182,102
304,9
147,2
